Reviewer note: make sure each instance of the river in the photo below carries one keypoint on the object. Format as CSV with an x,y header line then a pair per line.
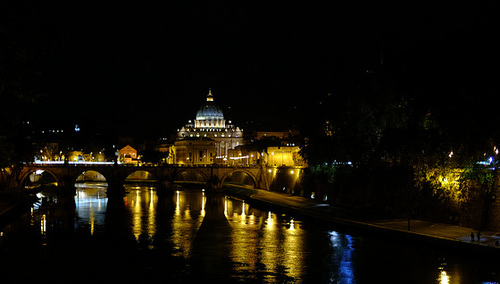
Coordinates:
x,y
190,236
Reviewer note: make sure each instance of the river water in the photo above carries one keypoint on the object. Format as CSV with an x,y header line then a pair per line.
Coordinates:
x,y
190,236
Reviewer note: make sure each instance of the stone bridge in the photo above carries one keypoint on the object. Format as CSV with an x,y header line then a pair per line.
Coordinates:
x,y
115,175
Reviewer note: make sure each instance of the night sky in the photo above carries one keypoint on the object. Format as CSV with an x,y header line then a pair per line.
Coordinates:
x,y
146,67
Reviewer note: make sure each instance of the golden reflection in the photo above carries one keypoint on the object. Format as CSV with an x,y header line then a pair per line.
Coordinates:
x,y
136,215
152,214
243,214
261,239
225,206
203,202
270,222
190,207
143,209
443,277
43,224
91,219
293,251
177,203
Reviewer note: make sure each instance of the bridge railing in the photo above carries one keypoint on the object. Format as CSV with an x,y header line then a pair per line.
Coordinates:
x,y
81,163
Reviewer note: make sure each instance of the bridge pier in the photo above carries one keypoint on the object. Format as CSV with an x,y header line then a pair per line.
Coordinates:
x,y
115,190
64,192
214,184
164,185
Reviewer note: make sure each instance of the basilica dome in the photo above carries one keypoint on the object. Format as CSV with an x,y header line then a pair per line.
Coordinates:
x,y
209,110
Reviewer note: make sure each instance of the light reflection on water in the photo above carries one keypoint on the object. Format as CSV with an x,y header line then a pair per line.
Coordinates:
x,y
240,241
91,204
342,252
188,216
263,243
142,204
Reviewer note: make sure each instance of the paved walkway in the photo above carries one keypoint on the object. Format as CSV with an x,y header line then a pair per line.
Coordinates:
x,y
451,234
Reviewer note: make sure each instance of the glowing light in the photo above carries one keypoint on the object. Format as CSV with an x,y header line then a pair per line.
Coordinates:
x,y
243,215
451,154
72,162
238,158
292,172
43,224
177,205
225,206
203,202
444,278
270,222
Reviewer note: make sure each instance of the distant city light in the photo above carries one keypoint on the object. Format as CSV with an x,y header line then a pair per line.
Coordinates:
x,y
72,163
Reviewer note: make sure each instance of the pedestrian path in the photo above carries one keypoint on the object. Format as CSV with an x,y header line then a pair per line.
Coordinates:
x,y
452,234
441,230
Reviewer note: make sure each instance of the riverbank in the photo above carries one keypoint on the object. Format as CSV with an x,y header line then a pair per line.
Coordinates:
x,y
447,236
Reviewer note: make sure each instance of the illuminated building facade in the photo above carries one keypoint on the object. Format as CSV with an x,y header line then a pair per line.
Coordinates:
x,y
195,151
284,156
211,124
127,155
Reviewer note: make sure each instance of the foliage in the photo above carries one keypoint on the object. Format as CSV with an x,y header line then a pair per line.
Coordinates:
x,y
324,172
409,151
480,175
351,124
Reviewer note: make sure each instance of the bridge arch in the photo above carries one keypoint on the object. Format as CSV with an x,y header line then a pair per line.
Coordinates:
x,y
88,175
190,176
37,175
141,176
239,176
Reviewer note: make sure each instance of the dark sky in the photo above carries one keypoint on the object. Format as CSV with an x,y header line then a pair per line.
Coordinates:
x,y
147,67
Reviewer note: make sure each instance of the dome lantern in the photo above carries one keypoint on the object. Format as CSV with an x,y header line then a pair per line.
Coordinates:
x,y
209,114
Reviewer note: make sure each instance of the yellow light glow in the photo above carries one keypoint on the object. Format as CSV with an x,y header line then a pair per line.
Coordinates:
x,y
270,222
92,226
43,224
203,202
444,278
225,206
243,215
177,205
